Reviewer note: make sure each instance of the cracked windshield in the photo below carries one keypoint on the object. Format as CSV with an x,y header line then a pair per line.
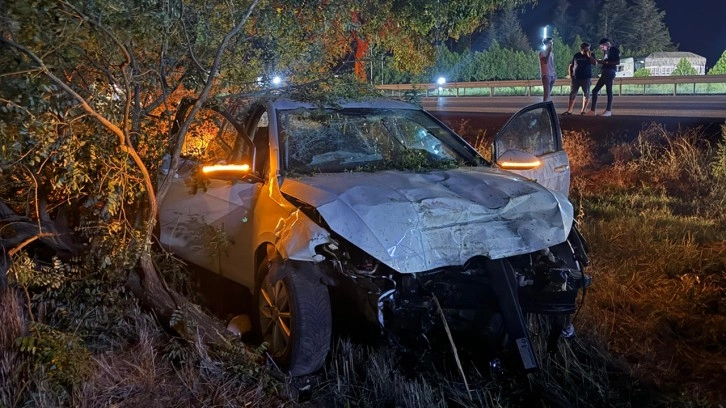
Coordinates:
x,y
366,139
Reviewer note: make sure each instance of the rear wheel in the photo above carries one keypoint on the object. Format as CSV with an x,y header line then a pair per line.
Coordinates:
x,y
294,319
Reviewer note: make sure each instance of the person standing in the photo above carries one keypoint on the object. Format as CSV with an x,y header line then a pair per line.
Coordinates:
x,y
580,70
609,65
547,68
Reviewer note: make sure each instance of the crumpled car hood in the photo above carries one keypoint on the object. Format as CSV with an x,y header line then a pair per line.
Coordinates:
x,y
415,222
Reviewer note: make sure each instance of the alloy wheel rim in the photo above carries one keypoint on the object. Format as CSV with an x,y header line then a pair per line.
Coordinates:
x,y
275,317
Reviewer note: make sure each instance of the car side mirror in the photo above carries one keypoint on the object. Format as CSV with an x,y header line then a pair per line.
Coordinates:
x,y
229,172
514,159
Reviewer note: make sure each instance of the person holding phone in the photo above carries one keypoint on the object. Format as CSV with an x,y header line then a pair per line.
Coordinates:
x,y
609,65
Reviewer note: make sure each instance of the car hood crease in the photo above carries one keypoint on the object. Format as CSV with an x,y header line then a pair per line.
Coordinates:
x,y
414,222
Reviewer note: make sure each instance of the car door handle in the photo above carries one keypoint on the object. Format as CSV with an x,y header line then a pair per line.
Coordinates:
x,y
562,169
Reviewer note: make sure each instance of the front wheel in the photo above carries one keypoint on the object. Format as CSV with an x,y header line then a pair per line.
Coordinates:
x,y
294,319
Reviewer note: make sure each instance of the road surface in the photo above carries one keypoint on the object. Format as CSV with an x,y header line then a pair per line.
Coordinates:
x,y
630,114
694,106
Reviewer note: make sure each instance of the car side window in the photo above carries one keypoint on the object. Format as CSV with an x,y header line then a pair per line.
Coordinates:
x,y
210,138
532,132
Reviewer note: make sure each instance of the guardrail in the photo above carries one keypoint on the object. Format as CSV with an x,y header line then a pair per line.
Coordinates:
x,y
658,85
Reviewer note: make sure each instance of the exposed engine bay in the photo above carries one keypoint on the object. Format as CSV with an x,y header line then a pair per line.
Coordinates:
x,y
484,298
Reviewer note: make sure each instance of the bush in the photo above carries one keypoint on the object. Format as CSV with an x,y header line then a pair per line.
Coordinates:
x,y
61,356
655,226
718,171
641,72
681,163
580,149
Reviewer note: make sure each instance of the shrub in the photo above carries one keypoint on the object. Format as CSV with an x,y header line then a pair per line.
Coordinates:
x,y
641,72
61,356
680,162
718,165
718,171
580,148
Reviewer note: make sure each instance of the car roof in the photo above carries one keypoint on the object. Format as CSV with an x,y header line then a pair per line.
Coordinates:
x,y
378,103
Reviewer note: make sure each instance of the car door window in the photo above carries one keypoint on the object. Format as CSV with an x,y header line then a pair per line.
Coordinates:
x,y
536,130
532,131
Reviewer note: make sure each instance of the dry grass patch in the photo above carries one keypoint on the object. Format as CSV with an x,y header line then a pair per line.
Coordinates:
x,y
104,351
580,148
654,220
577,374
681,161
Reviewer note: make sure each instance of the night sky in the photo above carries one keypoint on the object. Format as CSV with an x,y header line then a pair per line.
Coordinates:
x,y
695,25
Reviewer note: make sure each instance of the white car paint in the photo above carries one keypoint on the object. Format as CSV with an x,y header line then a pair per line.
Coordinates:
x,y
414,222
411,221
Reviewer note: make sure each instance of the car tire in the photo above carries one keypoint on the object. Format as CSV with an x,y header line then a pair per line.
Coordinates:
x,y
294,319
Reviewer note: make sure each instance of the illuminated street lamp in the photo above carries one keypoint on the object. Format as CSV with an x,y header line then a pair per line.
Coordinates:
x,y
441,81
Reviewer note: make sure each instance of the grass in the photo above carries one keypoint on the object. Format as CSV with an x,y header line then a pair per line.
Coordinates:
x,y
658,298
577,374
651,331
652,210
653,216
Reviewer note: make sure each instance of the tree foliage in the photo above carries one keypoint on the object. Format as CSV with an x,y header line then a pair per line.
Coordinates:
x,y
622,21
562,21
648,31
563,55
411,31
111,88
637,25
95,94
720,67
499,63
641,72
616,21
507,31
586,21
684,68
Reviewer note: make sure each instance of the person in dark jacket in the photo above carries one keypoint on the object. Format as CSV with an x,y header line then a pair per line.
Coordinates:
x,y
580,70
609,65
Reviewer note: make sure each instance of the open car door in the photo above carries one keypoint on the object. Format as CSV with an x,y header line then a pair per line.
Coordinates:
x,y
530,144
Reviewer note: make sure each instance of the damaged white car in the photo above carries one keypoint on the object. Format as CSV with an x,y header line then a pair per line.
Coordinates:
x,y
382,208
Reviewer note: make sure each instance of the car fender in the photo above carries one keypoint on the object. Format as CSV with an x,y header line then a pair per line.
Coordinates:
x,y
297,236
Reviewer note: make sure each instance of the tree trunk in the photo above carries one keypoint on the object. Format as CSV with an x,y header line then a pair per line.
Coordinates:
x,y
171,308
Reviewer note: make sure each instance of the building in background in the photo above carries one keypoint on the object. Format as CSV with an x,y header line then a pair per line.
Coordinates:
x,y
626,68
664,63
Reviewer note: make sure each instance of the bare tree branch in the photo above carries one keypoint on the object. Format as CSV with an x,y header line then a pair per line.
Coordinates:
x,y
17,230
164,186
